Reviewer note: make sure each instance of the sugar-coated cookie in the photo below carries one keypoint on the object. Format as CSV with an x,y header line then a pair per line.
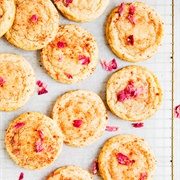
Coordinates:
x,y
133,93
17,81
70,173
33,140
7,14
126,157
81,115
72,56
81,11
134,31
36,24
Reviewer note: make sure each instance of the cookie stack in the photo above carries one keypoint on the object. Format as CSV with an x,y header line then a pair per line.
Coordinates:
x,y
69,55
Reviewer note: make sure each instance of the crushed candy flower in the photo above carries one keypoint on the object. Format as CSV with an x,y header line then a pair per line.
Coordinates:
x,y
95,167
67,2
131,39
69,76
2,81
121,9
21,176
129,92
132,9
124,160
19,125
138,125
84,60
109,66
177,111
34,18
42,87
143,176
61,44
131,19
112,128
77,123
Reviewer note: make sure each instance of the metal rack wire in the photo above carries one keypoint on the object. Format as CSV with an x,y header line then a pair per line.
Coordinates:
x,y
158,130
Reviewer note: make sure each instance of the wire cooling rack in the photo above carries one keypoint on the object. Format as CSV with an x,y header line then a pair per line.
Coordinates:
x,y
158,131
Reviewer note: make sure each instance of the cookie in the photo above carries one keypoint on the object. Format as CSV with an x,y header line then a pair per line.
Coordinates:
x,y
134,31
81,11
81,116
33,140
7,14
17,81
133,93
70,173
72,56
126,157
36,24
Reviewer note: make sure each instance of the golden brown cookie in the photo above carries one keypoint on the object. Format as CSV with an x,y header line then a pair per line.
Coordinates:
x,y
134,31
36,24
133,93
81,115
126,157
72,56
17,81
33,140
70,173
81,11
7,13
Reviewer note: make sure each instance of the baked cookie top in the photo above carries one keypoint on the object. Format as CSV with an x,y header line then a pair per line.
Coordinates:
x,y
70,173
33,140
7,13
72,56
81,10
126,157
81,116
134,31
17,81
133,93
36,24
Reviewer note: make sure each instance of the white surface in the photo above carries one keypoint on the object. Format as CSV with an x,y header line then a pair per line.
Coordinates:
x,y
157,130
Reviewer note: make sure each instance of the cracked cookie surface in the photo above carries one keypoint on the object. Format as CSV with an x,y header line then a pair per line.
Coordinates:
x,y
81,10
134,31
72,56
17,81
33,140
36,24
81,106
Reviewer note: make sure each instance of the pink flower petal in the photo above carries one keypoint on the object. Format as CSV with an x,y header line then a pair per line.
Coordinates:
x,y
121,9
124,160
177,111
132,9
69,76
42,90
77,123
41,135
95,167
42,87
84,60
19,125
21,176
34,18
61,44
67,2
131,39
138,125
112,128
109,66
143,176
129,92
39,146
2,81
131,19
